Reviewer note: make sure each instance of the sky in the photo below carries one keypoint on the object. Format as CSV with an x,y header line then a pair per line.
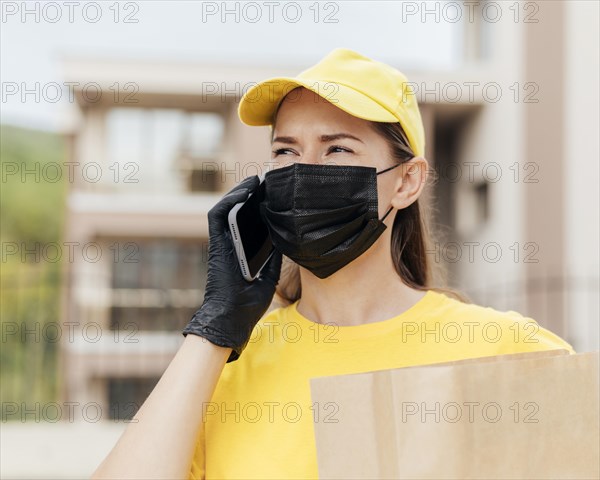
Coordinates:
x,y
35,35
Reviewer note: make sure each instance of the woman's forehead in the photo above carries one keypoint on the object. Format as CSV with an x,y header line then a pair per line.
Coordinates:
x,y
311,112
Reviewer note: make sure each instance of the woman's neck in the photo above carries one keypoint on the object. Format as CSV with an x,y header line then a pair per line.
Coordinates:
x,y
366,290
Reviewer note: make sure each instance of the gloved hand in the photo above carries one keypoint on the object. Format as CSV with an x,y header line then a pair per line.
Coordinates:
x,y
232,306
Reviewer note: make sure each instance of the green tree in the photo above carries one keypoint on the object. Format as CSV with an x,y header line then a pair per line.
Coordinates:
x,y
32,204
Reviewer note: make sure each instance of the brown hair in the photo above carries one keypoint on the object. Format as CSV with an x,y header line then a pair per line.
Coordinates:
x,y
411,239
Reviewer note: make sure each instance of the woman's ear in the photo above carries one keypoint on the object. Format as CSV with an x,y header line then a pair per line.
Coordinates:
x,y
410,182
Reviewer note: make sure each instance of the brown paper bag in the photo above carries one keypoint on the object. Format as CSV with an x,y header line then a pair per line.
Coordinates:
x,y
530,415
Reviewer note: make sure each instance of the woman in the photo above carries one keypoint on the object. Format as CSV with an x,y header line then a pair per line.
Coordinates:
x,y
356,287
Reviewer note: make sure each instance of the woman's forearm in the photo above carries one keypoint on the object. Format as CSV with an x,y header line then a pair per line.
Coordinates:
x,y
161,439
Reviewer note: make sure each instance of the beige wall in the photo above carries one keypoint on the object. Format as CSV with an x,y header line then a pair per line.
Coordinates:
x,y
582,153
544,202
494,140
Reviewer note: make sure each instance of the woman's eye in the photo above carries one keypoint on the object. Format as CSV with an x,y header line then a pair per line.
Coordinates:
x,y
281,151
338,149
332,149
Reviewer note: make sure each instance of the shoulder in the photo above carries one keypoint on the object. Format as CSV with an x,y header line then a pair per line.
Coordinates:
x,y
509,330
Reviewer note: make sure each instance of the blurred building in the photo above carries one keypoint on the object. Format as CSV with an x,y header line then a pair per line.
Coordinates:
x,y
156,145
151,154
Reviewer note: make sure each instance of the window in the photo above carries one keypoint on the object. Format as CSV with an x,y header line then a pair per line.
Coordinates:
x,y
126,396
158,286
161,143
478,21
204,180
482,202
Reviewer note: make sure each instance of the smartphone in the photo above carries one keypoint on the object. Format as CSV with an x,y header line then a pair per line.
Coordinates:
x,y
250,234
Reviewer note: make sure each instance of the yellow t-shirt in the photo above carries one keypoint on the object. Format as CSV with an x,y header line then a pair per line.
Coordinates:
x,y
259,423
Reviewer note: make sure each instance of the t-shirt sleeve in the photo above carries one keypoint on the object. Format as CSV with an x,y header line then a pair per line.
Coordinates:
x,y
198,469
524,334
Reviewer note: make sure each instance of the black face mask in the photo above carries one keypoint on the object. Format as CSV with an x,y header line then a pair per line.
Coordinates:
x,y
322,216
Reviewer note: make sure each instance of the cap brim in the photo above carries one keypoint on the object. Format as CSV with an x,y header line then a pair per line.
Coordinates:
x,y
258,105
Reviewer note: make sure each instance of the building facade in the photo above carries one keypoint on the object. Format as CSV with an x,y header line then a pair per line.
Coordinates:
x,y
510,197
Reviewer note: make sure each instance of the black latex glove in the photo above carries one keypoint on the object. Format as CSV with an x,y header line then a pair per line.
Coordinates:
x,y
232,306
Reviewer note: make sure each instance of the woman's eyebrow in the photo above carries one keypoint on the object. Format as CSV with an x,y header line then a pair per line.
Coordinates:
x,y
285,140
324,138
338,136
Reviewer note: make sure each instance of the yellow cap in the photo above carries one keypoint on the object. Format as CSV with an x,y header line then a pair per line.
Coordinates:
x,y
360,86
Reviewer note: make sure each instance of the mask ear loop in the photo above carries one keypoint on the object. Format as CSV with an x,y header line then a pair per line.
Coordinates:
x,y
389,168
383,171
386,214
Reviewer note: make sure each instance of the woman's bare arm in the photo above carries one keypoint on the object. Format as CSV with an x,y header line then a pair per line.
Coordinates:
x,y
161,443
161,440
